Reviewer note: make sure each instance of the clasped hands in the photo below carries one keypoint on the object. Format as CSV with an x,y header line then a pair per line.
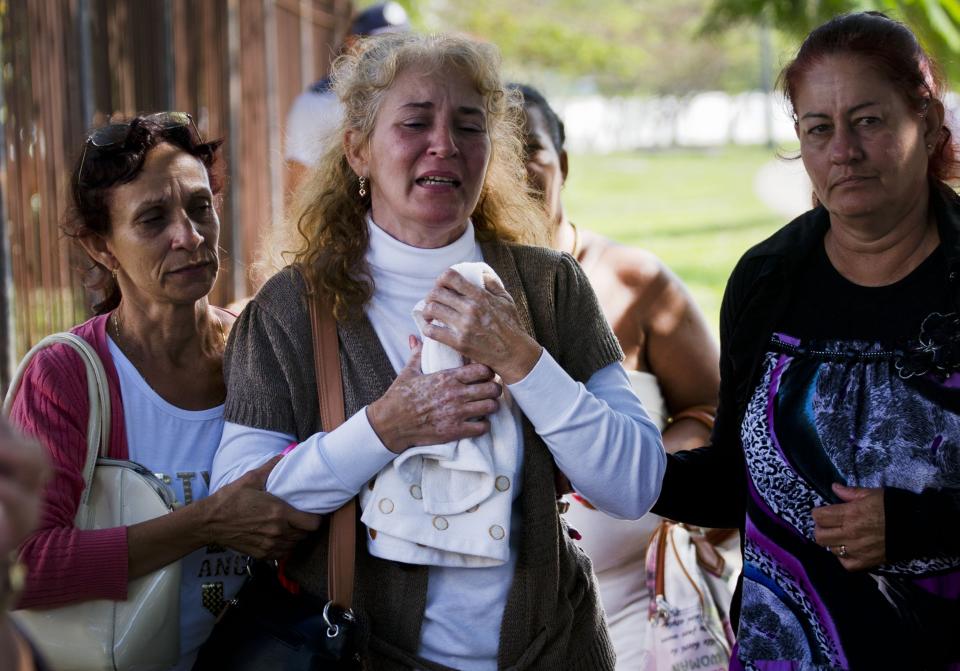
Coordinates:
x,y
480,323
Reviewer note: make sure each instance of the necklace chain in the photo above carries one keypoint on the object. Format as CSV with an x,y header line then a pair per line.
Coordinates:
x,y
116,328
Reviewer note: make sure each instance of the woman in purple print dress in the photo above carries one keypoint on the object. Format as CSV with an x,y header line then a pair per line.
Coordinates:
x,y
837,443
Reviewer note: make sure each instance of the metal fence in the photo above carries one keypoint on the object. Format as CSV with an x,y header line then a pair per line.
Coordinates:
x,y
66,65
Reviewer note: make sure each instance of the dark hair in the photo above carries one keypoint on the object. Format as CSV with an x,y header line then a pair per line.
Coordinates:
x,y
894,50
88,212
533,98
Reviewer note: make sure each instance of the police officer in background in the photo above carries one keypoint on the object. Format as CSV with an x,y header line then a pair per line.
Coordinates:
x,y
316,112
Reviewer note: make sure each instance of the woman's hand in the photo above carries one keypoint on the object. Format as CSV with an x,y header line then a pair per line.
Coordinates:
x,y
437,408
241,516
245,518
855,531
482,324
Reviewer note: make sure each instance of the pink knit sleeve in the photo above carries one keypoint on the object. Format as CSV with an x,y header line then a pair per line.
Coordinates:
x,y
65,564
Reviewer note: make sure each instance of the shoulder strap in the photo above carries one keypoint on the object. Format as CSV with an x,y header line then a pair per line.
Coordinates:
x,y
343,524
98,424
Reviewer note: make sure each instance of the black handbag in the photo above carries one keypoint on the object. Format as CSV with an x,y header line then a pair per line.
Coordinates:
x,y
266,626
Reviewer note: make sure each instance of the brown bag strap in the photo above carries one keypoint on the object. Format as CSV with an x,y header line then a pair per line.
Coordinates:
x,y
341,549
660,574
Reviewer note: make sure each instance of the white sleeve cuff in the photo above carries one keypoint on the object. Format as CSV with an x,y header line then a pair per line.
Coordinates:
x,y
546,394
328,469
354,451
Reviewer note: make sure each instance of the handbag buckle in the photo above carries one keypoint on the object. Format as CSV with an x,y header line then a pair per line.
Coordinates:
x,y
661,613
333,630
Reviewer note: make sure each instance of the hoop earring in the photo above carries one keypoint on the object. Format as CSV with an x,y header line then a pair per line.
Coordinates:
x,y
363,186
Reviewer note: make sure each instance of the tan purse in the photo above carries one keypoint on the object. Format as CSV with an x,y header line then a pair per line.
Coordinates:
x,y
143,632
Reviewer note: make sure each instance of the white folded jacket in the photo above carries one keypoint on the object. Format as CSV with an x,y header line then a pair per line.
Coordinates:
x,y
449,504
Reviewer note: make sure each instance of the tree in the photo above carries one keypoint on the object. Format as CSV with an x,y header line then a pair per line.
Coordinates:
x,y
936,22
611,46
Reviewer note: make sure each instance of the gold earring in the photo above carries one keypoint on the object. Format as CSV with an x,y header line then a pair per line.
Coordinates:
x,y
363,186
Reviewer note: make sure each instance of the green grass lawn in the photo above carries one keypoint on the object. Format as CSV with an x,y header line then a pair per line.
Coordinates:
x,y
696,210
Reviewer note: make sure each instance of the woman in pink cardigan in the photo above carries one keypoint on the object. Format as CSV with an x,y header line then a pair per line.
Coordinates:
x,y
143,210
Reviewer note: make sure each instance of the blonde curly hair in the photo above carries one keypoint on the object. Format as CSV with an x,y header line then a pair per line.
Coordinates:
x,y
330,215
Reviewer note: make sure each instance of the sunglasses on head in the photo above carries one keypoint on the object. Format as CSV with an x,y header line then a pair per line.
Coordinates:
x,y
116,134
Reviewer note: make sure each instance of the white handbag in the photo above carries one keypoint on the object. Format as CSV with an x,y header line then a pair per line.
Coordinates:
x,y
689,605
143,632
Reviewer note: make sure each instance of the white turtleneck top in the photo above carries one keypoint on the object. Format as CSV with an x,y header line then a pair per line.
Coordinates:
x,y
598,433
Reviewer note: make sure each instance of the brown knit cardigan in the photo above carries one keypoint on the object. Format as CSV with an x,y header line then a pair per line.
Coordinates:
x,y
552,618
